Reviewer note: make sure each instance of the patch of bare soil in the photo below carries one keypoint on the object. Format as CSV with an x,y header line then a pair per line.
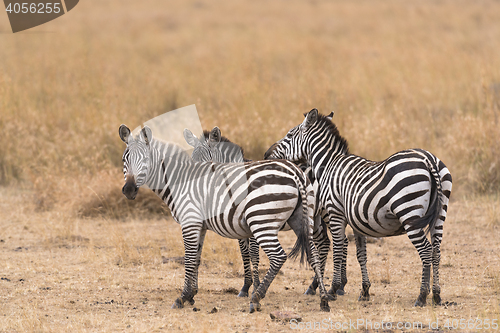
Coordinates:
x,y
60,274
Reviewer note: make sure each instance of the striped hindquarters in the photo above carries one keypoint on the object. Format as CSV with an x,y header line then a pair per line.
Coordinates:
x,y
379,198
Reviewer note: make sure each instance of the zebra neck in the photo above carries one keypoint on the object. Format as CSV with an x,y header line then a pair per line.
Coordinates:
x,y
323,154
168,162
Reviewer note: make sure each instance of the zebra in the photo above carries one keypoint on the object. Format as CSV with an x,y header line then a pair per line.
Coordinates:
x,y
406,193
213,147
206,149
233,200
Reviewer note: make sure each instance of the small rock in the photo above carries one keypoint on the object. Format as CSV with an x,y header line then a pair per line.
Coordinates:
x,y
214,310
284,316
196,309
5,279
231,290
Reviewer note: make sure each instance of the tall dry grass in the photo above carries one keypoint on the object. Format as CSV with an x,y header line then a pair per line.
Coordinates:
x,y
397,74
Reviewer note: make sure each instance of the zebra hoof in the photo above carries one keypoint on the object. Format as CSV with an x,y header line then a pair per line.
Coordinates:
x,y
332,296
420,302
191,301
310,291
436,299
254,307
243,294
340,292
178,304
324,305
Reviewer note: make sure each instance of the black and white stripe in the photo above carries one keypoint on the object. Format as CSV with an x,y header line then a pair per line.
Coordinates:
x,y
406,193
213,147
234,200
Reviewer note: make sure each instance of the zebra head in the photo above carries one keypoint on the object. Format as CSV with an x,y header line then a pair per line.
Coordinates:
x,y
205,150
136,159
295,145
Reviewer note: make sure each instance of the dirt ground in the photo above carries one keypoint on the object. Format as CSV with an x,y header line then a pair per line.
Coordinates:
x,y
61,274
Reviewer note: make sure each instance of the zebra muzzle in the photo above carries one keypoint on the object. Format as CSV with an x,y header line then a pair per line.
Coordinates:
x,y
130,190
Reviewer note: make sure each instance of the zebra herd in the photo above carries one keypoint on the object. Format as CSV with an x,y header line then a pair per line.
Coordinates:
x,y
217,189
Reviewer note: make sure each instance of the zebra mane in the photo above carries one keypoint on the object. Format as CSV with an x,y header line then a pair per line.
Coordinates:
x,y
227,145
326,123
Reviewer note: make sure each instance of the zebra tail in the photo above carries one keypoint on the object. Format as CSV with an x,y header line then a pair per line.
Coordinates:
x,y
303,237
428,221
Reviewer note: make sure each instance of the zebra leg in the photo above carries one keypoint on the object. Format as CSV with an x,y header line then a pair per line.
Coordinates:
x,y
304,229
316,265
361,255
343,277
322,243
254,256
337,230
245,255
277,258
436,238
198,261
191,235
436,258
424,248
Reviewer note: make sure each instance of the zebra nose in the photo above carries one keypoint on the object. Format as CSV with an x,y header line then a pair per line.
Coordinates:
x,y
130,191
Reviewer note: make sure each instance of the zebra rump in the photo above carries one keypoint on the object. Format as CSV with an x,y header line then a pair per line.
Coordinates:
x,y
428,221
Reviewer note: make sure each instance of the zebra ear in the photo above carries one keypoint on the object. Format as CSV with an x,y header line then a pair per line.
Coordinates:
x,y
191,139
311,118
330,116
214,137
124,132
147,134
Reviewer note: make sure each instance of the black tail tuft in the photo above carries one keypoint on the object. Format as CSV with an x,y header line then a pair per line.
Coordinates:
x,y
301,229
301,246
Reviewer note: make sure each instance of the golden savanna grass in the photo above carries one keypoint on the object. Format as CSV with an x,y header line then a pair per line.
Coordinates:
x,y
397,74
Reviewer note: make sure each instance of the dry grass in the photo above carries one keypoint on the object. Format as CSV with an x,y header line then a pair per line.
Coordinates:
x,y
100,275
397,74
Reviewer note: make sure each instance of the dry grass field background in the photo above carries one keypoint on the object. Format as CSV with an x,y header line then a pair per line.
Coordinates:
x,y
75,255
